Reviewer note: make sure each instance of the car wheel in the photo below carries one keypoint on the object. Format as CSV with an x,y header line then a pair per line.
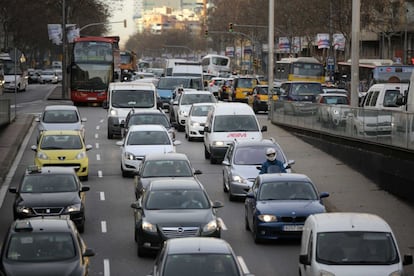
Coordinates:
x,y
231,196
206,153
254,233
246,222
81,227
213,160
141,251
124,173
110,134
225,188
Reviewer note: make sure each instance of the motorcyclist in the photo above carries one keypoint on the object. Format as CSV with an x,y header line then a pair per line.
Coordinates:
x,y
272,161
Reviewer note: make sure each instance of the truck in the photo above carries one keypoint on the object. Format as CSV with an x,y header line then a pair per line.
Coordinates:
x,y
128,64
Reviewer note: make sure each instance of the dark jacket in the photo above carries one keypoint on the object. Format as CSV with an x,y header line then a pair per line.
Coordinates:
x,y
267,164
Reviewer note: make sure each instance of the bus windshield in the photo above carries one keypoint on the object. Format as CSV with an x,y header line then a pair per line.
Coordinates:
x,y
307,69
92,51
91,77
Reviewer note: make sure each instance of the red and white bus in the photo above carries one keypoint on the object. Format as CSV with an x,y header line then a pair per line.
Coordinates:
x,y
94,64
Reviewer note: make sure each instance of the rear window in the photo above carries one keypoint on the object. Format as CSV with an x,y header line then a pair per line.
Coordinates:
x,y
306,89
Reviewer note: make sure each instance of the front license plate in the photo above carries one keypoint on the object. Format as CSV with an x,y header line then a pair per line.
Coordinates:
x,y
92,99
293,228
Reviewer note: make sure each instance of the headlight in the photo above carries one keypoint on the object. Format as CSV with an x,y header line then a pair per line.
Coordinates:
x,y
267,218
218,143
73,208
327,273
114,112
81,155
195,124
183,113
238,178
129,156
149,227
210,227
42,155
335,112
23,210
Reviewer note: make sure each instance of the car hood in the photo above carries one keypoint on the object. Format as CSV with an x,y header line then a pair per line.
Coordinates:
x,y
288,207
145,181
62,268
198,119
142,150
249,172
179,217
49,199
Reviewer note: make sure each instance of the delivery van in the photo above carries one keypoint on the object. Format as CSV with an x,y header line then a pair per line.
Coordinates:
x,y
226,122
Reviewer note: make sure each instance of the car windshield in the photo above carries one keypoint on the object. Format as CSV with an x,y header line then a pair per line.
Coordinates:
x,y
356,248
150,137
204,264
49,183
287,190
60,116
200,110
177,199
229,123
132,98
149,119
254,155
188,99
167,168
40,247
67,142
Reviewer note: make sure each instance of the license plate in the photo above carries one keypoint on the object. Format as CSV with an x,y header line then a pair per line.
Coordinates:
x,y
92,99
293,228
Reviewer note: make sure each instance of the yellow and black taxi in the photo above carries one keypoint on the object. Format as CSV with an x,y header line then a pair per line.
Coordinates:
x,y
63,148
50,191
242,88
44,246
259,98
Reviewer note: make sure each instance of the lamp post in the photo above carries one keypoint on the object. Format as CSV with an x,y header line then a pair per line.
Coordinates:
x,y
271,42
64,51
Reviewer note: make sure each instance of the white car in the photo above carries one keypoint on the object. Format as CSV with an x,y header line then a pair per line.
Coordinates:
x,y
141,140
371,123
196,120
48,76
333,109
215,84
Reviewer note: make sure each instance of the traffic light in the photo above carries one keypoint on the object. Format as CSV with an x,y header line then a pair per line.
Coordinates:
x,y
206,33
254,62
230,27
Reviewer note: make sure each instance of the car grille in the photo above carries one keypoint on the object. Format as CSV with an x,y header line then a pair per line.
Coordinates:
x,y
293,219
180,232
48,211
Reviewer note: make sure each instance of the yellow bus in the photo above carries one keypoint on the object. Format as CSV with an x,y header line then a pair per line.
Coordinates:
x,y
299,69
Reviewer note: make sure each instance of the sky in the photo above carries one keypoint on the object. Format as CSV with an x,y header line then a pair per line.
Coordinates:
x,y
118,28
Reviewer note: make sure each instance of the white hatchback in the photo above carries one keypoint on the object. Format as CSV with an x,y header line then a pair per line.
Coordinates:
x,y
196,120
140,141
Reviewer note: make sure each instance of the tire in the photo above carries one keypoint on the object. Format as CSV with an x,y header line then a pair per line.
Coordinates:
x,y
124,173
256,239
246,223
225,189
206,153
81,227
213,160
110,134
231,196
141,252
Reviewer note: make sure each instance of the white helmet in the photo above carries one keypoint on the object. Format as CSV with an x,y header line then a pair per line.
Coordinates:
x,y
271,154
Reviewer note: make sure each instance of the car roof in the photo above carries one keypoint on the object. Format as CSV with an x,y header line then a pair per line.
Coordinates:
x,y
334,94
232,108
132,85
166,156
175,184
249,143
349,221
50,170
198,245
283,177
146,111
60,107
42,224
194,91
146,128
203,104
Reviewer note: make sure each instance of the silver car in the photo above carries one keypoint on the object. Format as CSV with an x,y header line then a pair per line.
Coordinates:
x,y
60,117
242,163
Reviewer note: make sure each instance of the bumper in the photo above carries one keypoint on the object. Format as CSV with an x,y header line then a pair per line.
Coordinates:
x,y
130,165
80,166
240,189
261,106
196,132
277,230
218,152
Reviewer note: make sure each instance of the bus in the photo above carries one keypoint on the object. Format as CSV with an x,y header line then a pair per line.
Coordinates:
x,y
372,71
299,69
95,63
129,64
216,65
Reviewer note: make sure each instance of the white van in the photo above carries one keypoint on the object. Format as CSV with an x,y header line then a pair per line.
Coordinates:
x,y
226,122
124,96
384,96
349,244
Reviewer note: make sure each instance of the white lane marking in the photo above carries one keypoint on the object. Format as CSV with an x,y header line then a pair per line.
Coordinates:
x,y
223,225
107,271
102,195
19,155
97,145
98,157
98,127
96,136
103,226
100,174
243,265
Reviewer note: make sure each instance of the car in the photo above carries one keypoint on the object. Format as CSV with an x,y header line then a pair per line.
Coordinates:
x,y
63,148
242,87
350,243
173,208
328,90
48,76
196,120
370,123
141,140
33,75
147,117
182,103
156,166
333,109
242,162
278,204
51,191
59,74
60,117
207,256
260,96
44,246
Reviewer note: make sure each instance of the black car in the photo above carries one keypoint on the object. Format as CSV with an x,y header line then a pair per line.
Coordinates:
x,y
147,117
207,256
50,191
157,166
173,208
44,246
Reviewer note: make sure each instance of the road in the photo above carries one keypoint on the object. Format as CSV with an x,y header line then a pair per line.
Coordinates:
x,y
109,220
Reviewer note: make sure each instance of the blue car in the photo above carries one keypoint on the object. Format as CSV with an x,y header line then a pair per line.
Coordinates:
x,y
278,204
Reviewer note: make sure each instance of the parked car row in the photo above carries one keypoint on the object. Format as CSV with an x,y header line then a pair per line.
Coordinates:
x,y
44,76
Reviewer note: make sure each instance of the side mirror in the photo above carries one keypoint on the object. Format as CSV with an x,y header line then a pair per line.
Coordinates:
x,y
85,188
303,259
33,148
207,129
226,162
217,204
250,194
264,128
105,104
13,190
407,260
88,253
198,171
88,147
136,205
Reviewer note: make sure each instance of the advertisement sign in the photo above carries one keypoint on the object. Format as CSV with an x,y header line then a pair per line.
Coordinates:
x,y
322,41
296,42
230,51
284,45
338,42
